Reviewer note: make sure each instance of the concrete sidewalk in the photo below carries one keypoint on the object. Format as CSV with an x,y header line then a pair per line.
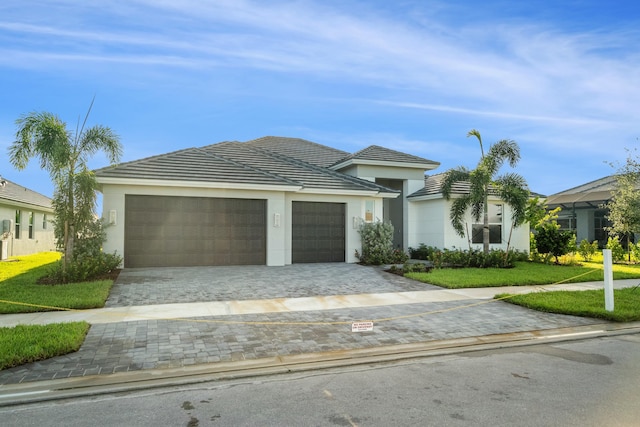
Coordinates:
x,y
284,305
130,338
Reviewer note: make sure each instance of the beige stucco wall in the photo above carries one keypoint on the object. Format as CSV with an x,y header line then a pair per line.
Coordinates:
x,y
279,205
43,238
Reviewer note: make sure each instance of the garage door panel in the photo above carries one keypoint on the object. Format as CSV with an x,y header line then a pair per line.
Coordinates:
x,y
190,231
318,232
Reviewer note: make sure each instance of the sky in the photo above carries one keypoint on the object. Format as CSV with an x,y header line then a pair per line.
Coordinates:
x,y
561,78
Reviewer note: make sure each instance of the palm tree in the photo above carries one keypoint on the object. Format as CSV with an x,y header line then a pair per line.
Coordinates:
x,y
510,188
65,155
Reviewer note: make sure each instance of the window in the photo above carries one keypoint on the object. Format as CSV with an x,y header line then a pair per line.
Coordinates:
x,y
44,221
18,216
368,210
31,225
567,223
495,226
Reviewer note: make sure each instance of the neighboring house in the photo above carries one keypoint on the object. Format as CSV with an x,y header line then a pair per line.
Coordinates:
x,y
25,221
583,210
273,201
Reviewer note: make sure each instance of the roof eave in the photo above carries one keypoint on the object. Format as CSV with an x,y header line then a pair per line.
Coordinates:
x,y
196,184
406,165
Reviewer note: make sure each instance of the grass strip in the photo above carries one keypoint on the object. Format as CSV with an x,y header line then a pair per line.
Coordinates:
x,y
582,303
523,274
31,343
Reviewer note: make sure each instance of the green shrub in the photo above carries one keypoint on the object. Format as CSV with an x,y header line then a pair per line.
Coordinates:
x,y
423,252
617,251
550,241
467,258
89,261
377,243
84,269
635,251
587,250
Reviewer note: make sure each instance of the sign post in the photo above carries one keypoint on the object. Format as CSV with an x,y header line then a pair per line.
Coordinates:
x,y
608,279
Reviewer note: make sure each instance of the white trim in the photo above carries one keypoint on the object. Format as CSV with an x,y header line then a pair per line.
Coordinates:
x,y
13,203
196,184
337,192
404,165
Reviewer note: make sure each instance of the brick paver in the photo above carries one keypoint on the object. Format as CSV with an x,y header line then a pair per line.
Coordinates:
x,y
157,344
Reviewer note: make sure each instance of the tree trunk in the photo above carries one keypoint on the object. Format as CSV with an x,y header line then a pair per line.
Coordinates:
x,y
486,236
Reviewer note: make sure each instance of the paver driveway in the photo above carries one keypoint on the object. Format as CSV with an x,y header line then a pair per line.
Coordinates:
x,y
163,342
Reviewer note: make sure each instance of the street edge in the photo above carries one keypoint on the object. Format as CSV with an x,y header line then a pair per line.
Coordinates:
x,y
40,391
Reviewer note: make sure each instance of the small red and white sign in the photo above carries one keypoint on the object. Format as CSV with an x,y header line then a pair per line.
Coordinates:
x,y
361,326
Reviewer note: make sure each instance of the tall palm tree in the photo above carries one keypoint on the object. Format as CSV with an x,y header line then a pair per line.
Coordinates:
x,y
510,188
65,155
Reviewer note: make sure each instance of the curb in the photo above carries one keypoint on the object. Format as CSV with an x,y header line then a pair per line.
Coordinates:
x,y
40,391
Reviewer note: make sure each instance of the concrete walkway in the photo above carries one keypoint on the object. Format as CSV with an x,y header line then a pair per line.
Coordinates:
x,y
184,311
306,310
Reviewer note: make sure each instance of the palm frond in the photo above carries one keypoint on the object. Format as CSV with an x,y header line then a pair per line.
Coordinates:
x,y
452,177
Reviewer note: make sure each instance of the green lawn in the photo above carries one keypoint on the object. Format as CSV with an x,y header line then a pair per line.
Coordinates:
x,y
24,344
19,292
524,273
582,303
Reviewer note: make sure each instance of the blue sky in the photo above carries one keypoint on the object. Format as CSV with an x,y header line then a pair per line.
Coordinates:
x,y
562,78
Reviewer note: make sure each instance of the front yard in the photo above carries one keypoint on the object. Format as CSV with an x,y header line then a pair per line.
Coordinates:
x,y
20,293
578,303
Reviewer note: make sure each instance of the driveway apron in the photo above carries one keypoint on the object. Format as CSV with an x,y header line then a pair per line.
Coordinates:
x,y
161,343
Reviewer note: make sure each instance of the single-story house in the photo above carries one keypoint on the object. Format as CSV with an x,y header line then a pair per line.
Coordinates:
x,y
583,209
25,221
275,201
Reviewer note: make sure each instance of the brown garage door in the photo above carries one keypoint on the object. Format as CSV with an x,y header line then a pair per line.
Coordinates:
x,y
318,232
163,231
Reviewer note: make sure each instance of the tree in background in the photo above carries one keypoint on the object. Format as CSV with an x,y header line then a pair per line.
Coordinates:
x,y
64,155
624,206
547,240
510,188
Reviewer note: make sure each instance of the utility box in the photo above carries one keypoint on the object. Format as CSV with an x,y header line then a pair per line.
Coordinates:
x,y
4,249
6,226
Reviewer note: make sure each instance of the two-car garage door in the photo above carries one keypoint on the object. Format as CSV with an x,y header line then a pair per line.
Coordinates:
x,y
165,231
169,231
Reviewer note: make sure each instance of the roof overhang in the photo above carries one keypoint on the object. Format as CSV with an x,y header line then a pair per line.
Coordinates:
x,y
24,205
196,184
404,165
592,199
364,193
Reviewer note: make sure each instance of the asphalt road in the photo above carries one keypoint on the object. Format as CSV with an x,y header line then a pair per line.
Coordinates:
x,y
592,382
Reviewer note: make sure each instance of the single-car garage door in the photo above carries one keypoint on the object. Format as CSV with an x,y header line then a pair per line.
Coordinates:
x,y
166,231
318,232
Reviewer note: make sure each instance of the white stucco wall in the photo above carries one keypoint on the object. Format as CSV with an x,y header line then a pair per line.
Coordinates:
x,y
43,238
430,219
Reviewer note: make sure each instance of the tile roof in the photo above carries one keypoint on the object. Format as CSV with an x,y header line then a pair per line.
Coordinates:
x,y
592,194
433,184
239,162
300,149
12,192
191,164
381,154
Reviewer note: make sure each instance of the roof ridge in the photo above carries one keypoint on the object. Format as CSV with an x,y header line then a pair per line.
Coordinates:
x,y
331,172
372,148
234,162
299,139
